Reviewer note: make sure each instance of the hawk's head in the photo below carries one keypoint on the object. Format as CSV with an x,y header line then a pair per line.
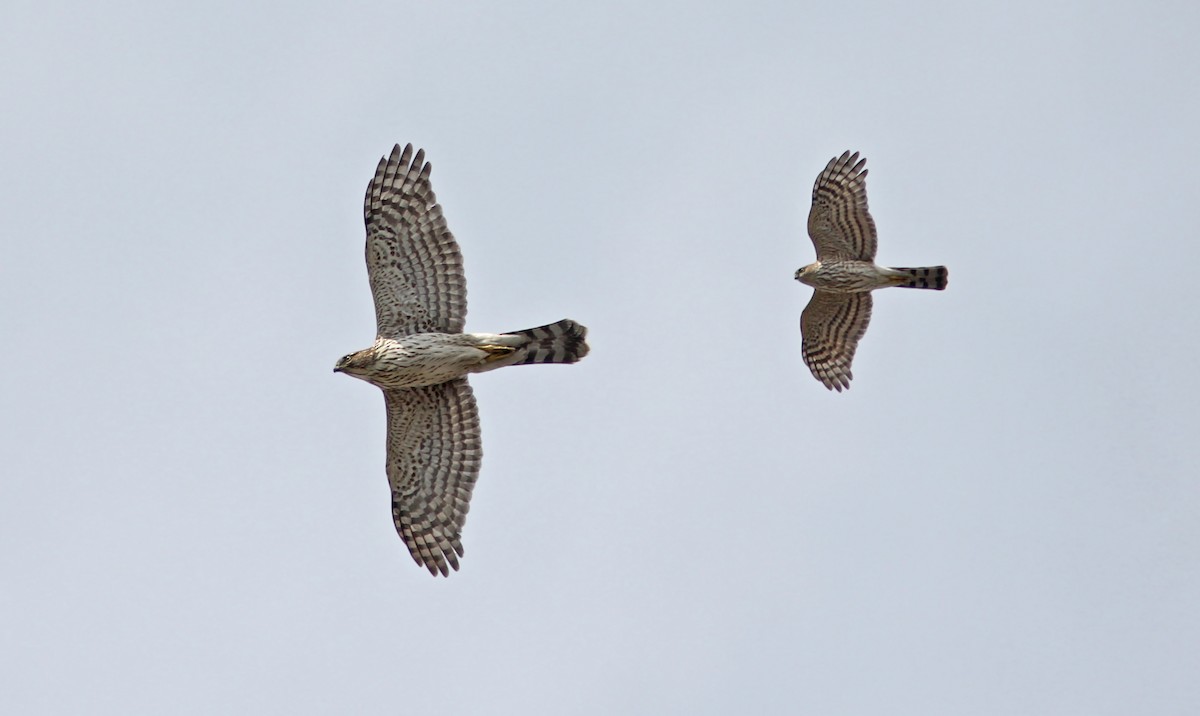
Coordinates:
x,y
803,273
356,364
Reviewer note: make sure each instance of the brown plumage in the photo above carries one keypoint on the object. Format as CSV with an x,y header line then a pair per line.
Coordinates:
x,y
421,357
843,233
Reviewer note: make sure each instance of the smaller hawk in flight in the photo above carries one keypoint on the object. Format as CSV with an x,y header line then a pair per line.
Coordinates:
x,y
845,273
421,358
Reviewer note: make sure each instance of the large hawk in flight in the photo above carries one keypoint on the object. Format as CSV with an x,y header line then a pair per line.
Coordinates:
x,y
421,357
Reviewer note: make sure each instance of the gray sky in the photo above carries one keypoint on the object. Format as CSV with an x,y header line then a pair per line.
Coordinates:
x,y
999,517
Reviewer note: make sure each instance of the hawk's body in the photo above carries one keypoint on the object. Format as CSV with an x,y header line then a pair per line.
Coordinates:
x,y
421,358
845,273
425,359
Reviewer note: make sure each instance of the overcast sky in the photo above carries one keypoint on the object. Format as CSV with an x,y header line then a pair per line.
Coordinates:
x,y
1000,517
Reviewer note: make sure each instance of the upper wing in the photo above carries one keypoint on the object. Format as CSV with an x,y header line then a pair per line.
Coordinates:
x,y
433,457
413,261
839,223
832,325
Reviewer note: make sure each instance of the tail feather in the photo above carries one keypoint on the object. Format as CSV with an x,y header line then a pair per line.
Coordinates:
x,y
561,342
933,277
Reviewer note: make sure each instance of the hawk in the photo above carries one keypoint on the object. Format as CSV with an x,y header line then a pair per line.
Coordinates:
x,y
845,273
421,357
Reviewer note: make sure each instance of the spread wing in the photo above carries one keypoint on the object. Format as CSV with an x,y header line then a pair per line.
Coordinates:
x,y
832,325
433,456
838,223
413,262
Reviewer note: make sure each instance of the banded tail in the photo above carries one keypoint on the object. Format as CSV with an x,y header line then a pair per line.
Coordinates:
x,y
561,342
934,277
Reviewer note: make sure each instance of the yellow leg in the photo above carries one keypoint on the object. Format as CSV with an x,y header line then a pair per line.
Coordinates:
x,y
495,352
